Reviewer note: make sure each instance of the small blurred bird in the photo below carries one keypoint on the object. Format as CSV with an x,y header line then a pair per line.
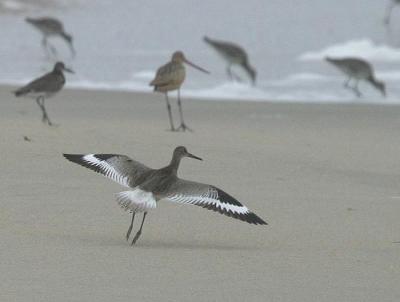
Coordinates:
x,y
45,87
51,27
233,55
170,77
357,69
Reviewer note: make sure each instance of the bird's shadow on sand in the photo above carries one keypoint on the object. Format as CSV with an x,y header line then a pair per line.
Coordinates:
x,y
171,245
101,240
198,245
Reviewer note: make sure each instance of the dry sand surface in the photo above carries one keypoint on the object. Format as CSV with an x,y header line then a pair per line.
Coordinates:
x,y
325,178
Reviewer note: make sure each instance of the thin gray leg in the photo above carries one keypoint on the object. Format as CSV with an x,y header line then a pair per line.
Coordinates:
x,y
140,230
356,90
347,82
45,118
48,48
183,126
236,77
53,50
232,76
386,19
44,44
40,102
229,72
169,112
130,227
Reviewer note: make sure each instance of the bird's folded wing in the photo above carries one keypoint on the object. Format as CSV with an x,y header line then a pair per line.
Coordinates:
x,y
211,198
164,75
119,168
38,85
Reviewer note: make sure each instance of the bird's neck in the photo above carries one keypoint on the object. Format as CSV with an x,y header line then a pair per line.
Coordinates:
x,y
372,79
174,164
65,36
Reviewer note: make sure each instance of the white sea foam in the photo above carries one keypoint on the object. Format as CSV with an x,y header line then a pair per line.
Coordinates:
x,y
364,48
147,75
300,79
12,5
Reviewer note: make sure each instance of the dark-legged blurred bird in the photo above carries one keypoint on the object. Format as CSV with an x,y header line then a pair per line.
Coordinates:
x,y
149,186
170,77
233,55
391,5
45,87
357,69
51,27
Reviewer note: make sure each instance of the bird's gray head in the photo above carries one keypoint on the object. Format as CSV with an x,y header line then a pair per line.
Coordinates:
x,y
330,60
251,71
179,57
181,151
206,39
67,37
60,66
380,86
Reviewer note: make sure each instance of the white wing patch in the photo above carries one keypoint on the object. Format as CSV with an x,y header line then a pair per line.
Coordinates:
x,y
136,200
209,200
108,170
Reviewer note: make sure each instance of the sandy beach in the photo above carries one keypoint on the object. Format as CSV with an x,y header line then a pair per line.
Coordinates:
x,y
325,178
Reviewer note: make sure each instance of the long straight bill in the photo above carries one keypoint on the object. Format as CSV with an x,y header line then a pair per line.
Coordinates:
x,y
195,66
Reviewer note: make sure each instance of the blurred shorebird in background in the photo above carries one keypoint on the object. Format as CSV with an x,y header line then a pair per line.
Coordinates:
x,y
51,27
170,77
357,69
45,87
148,186
390,6
233,55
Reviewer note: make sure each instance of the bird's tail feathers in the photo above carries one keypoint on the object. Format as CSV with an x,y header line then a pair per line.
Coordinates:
x,y
136,200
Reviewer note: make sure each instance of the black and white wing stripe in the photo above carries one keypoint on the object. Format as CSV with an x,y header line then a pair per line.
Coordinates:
x,y
119,168
211,198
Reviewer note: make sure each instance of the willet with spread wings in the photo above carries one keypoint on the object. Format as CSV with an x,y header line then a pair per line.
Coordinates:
x,y
357,69
45,87
170,77
148,186
51,27
233,54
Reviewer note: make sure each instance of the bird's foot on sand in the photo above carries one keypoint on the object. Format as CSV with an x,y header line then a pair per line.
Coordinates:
x,y
183,128
136,237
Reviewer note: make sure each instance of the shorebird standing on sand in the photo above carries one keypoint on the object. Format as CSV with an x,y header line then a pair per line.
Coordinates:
x,y
170,77
233,55
51,27
148,186
357,69
45,87
391,5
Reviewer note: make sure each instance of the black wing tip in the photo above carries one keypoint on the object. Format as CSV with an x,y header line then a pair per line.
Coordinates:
x,y
75,158
254,219
248,217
